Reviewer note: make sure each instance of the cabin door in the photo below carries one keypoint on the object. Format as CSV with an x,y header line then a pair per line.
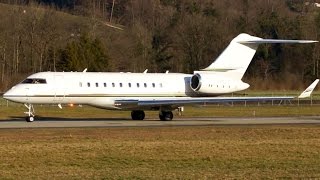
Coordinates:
x,y
27,94
59,88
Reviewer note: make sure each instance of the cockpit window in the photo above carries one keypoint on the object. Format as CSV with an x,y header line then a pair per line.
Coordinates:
x,y
34,81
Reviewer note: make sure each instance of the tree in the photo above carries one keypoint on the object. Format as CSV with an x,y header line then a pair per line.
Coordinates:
x,y
159,51
83,53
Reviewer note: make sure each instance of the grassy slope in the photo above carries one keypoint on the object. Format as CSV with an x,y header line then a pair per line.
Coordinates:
x,y
161,153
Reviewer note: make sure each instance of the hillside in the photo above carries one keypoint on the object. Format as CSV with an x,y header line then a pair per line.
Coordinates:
x,y
158,35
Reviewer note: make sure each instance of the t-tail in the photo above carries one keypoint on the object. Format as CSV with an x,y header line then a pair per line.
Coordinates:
x,y
235,59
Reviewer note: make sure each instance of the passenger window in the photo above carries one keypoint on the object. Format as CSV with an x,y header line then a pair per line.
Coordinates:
x,y
88,84
145,85
120,84
160,85
113,85
138,85
105,84
153,85
129,84
80,84
97,84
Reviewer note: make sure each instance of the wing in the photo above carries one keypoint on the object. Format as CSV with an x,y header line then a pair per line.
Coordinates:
x,y
179,101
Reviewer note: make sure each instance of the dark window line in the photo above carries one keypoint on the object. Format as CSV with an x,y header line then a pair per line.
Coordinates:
x,y
122,85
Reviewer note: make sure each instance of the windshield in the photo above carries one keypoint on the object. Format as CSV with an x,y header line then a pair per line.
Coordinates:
x,y
34,81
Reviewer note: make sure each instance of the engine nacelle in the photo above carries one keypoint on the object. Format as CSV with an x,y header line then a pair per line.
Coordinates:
x,y
213,84
196,82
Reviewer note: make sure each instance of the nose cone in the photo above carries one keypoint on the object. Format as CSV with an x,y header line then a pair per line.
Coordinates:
x,y
7,94
11,95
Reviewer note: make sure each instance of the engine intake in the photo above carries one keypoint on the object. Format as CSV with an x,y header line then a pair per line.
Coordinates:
x,y
195,82
208,83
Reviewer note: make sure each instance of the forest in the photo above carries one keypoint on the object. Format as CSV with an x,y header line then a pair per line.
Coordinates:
x,y
159,35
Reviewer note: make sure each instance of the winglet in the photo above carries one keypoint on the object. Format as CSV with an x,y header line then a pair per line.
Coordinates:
x,y
308,91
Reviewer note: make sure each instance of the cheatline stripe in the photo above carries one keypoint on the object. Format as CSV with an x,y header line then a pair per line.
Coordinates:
x,y
116,95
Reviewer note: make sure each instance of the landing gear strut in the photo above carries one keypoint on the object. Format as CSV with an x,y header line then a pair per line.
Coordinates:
x,y
165,115
30,113
137,115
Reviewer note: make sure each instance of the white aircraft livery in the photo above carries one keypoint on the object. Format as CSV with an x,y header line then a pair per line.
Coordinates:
x,y
137,92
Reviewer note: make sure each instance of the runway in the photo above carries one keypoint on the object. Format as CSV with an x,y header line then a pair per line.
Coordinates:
x,y
114,122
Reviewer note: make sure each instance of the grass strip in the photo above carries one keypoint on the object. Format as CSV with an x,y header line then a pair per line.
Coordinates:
x,y
162,153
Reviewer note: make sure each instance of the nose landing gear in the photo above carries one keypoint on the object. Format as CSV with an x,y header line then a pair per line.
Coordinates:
x,y
30,113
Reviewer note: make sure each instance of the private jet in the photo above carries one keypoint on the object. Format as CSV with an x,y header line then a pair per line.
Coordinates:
x,y
137,92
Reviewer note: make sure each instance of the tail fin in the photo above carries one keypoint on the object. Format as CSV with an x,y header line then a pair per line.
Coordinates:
x,y
235,59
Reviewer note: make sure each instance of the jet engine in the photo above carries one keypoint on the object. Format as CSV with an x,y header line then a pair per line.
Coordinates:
x,y
201,83
213,84
195,82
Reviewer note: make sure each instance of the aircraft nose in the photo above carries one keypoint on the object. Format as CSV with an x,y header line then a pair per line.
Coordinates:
x,y
10,94
6,95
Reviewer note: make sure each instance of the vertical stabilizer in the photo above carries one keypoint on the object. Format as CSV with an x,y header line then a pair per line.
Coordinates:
x,y
235,59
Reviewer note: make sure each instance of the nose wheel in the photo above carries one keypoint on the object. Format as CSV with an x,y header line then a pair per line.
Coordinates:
x,y
30,119
30,112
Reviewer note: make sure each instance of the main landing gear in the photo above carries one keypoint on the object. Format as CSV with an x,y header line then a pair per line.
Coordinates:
x,y
30,113
163,115
137,115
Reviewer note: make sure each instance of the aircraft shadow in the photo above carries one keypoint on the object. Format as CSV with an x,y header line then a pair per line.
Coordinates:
x,y
48,119
40,118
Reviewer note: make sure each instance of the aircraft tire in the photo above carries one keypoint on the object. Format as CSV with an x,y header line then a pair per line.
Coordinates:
x,y
137,115
165,115
30,119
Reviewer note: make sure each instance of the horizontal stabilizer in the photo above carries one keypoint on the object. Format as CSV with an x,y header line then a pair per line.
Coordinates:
x,y
271,41
308,91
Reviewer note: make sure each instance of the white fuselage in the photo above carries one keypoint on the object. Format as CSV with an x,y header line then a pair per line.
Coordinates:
x,y
102,89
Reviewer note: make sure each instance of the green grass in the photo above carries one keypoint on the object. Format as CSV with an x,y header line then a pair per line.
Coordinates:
x,y
161,153
223,152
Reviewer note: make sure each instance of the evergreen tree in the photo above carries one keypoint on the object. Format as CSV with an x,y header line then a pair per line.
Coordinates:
x,y
83,53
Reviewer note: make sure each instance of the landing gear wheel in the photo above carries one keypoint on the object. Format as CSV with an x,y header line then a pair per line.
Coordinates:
x,y
165,115
30,119
137,115
30,113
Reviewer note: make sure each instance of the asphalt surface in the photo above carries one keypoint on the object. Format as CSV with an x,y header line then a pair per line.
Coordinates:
x,y
114,122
